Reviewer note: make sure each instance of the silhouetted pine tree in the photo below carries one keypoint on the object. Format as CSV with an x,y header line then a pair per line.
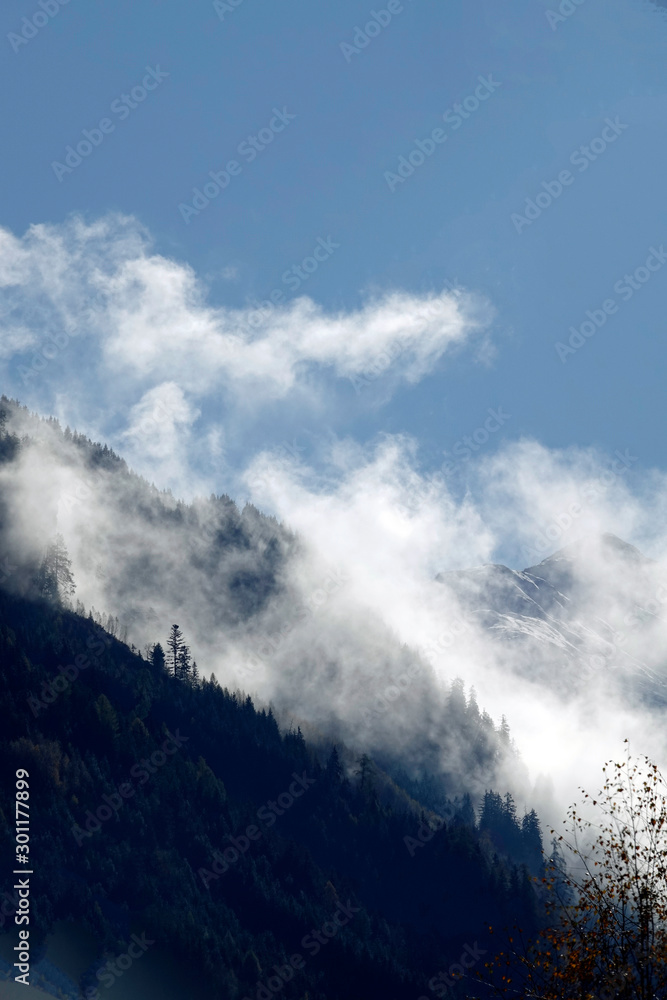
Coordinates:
x,y
175,644
334,770
364,772
532,839
184,663
157,657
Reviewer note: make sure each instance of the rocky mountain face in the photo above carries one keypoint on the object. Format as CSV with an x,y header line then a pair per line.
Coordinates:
x,y
596,607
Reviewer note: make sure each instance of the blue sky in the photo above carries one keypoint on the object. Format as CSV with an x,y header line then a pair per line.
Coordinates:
x,y
326,176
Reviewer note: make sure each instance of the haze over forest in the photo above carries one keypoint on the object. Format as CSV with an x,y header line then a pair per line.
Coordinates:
x,y
333,500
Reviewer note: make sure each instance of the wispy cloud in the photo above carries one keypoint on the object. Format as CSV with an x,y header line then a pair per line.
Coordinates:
x,y
155,324
393,528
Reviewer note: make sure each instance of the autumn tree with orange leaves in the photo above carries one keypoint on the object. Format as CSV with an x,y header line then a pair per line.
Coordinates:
x,y
606,901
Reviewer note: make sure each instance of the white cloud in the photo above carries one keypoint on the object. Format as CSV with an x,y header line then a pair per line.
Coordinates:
x,y
159,436
161,327
15,340
391,529
230,273
153,324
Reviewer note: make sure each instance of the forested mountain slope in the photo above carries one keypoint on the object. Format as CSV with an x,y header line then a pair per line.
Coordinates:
x,y
173,808
255,606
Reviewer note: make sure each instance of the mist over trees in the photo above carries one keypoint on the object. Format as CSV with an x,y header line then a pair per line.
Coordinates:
x,y
175,856
56,581
235,582
405,816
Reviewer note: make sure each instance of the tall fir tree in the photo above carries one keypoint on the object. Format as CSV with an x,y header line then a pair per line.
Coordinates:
x,y
175,644
334,771
157,656
364,772
56,581
184,663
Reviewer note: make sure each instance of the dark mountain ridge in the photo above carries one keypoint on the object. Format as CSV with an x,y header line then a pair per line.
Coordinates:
x,y
228,848
240,585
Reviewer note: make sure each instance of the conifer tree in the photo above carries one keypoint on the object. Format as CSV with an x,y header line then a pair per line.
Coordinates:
x,y
56,581
184,663
364,771
334,769
157,656
175,644
504,732
531,837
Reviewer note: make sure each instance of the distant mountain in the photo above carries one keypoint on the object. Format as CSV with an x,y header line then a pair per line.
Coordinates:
x,y
597,605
